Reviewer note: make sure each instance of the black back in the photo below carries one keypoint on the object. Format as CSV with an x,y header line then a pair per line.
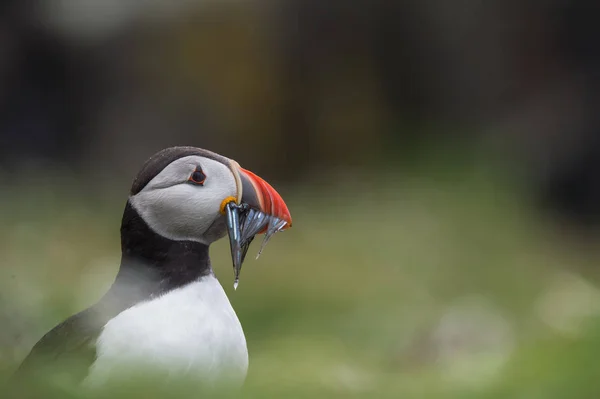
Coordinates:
x,y
151,265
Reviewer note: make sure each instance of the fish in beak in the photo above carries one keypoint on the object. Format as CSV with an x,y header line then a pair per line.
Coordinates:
x,y
257,209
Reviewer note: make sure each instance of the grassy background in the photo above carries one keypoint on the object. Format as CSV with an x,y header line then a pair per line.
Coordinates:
x,y
434,283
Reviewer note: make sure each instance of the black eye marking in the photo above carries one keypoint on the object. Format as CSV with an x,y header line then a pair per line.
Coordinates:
x,y
198,177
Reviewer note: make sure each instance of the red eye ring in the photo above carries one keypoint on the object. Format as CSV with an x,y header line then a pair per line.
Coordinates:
x,y
198,177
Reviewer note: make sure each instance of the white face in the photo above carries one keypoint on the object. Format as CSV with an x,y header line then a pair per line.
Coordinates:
x,y
179,210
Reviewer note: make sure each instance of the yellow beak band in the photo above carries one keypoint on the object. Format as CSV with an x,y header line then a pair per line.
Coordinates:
x,y
225,202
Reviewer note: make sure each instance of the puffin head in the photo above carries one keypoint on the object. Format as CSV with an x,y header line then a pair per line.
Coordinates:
x,y
191,194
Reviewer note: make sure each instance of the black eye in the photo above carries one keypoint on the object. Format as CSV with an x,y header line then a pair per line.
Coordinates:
x,y
198,177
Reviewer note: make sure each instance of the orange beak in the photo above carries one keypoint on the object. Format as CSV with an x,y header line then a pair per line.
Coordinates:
x,y
258,209
260,195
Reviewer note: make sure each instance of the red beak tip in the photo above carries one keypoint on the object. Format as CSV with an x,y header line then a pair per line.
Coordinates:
x,y
271,202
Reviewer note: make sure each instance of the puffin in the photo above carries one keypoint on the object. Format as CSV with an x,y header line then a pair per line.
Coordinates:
x,y
166,312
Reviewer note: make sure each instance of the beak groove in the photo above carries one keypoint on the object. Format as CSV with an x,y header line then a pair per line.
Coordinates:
x,y
261,210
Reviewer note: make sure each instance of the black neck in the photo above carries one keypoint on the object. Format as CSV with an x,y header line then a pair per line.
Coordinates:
x,y
153,264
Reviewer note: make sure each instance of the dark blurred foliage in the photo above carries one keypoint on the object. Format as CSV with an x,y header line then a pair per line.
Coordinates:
x,y
305,84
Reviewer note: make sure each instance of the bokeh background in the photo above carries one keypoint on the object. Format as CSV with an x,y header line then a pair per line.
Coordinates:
x,y
440,160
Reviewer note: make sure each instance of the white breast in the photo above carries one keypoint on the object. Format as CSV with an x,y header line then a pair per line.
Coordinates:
x,y
191,331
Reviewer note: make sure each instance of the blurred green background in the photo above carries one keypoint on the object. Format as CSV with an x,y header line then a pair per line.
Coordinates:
x,y
439,160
